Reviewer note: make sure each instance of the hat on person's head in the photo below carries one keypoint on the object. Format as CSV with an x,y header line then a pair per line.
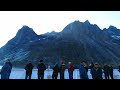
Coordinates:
x,y
96,63
69,62
41,60
83,62
6,62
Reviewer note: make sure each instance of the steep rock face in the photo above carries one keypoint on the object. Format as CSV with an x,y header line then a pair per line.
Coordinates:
x,y
113,33
83,30
24,36
77,41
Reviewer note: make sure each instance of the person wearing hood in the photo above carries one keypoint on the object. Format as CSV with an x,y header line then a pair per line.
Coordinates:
x,y
96,72
41,68
5,71
56,70
70,70
62,69
83,70
28,68
10,64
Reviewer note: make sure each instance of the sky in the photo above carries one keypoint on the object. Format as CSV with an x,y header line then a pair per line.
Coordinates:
x,y
47,21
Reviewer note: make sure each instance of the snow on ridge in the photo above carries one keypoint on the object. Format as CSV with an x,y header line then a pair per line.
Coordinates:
x,y
115,37
43,38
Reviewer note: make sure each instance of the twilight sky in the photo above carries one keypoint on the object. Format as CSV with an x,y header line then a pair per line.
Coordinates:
x,y
47,21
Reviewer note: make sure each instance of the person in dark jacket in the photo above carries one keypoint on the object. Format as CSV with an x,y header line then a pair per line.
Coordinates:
x,y
10,64
56,70
5,71
62,69
96,72
111,71
28,69
41,68
91,65
70,70
86,67
106,71
83,70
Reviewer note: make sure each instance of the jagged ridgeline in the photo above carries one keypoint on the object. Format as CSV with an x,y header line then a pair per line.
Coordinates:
x,y
77,41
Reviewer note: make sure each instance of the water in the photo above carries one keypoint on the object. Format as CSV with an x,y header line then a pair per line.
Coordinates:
x,y
0,66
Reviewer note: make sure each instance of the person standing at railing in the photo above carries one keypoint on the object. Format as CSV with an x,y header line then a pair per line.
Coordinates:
x,y
28,69
70,70
83,70
56,70
10,64
41,68
62,69
111,71
5,71
96,72
106,71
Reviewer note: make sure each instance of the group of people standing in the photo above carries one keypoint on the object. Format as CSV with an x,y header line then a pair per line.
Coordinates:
x,y
56,69
61,69
95,70
41,68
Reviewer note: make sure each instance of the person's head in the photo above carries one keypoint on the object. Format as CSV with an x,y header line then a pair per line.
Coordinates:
x,y
69,63
62,62
91,63
96,65
41,60
8,60
83,63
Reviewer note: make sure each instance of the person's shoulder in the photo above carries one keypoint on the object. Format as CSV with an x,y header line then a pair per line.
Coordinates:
x,y
100,68
92,68
80,66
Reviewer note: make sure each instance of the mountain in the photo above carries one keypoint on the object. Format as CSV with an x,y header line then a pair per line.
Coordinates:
x,y
77,41
114,34
16,46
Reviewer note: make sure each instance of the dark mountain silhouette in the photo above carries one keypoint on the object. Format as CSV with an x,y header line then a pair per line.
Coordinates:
x,y
77,41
